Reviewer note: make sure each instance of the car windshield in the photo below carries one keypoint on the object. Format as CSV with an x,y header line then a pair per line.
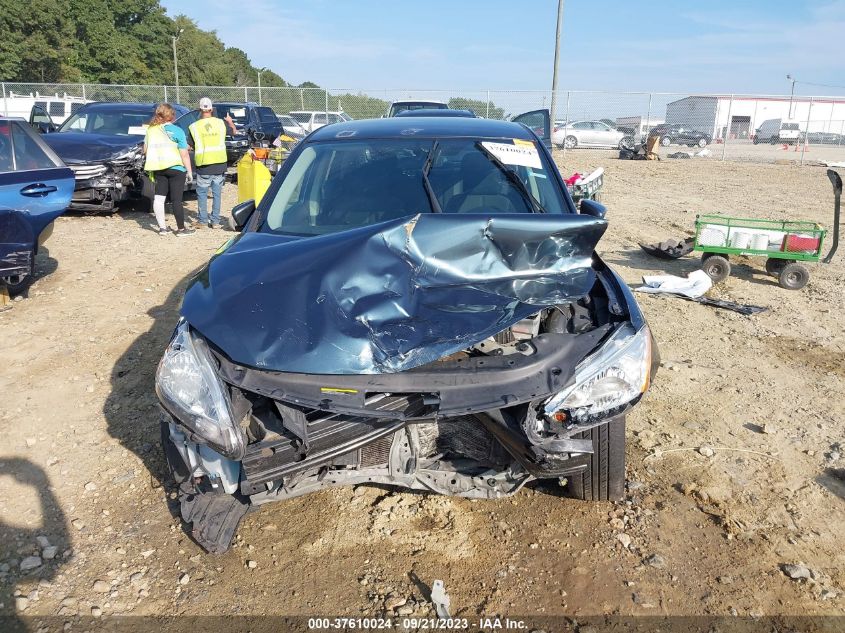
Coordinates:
x,y
110,121
335,186
301,117
237,112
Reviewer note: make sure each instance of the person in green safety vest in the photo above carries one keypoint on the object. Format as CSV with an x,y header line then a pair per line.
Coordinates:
x,y
209,138
169,165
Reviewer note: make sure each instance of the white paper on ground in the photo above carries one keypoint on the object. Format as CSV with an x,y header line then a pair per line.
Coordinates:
x,y
514,154
692,286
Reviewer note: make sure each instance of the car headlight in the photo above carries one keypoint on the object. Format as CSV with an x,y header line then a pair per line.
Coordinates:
x,y
611,377
189,388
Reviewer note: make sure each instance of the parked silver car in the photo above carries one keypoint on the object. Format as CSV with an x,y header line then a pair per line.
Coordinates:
x,y
574,134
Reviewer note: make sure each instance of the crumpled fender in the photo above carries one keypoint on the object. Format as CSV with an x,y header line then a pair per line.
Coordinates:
x,y
391,296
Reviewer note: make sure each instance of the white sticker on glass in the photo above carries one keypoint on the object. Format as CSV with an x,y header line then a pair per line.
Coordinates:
x,y
514,154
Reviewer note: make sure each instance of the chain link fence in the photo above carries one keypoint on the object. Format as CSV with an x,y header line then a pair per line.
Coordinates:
x,y
761,128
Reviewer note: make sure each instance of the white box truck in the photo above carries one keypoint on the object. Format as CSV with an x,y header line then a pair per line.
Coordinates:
x,y
778,131
57,107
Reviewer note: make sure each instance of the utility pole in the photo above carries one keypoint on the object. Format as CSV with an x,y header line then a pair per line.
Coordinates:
x,y
263,70
791,94
557,57
175,39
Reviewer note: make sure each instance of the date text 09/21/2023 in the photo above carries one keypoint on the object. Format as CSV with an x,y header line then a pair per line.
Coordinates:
x,y
434,624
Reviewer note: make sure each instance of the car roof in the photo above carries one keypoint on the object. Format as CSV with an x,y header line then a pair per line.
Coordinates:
x,y
128,107
401,101
421,127
437,112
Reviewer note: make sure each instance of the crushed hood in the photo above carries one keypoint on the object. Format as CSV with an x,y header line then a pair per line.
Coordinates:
x,y
391,296
84,147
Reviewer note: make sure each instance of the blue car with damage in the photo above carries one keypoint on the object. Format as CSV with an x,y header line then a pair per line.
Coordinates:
x,y
35,189
415,302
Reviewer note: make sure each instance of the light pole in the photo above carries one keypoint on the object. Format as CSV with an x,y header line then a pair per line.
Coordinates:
x,y
263,70
175,39
791,93
557,56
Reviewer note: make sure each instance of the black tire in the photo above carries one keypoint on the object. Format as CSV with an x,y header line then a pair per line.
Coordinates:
x,y
604,479
756,141
570,142
17,284
702,142
718,268
775,266
794,276
665,141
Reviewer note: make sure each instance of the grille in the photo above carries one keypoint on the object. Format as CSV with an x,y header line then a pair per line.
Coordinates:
x,y
84,172
378,452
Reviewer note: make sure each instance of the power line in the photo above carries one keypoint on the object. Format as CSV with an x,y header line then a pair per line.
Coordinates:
x,y
810,83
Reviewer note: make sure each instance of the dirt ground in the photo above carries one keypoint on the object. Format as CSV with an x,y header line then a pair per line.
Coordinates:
x,y
734,456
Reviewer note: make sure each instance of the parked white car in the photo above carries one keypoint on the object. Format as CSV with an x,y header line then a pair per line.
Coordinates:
x,y
291,126
310,120
585,134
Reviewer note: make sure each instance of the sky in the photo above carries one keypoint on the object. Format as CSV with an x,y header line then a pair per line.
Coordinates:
x,y
742,46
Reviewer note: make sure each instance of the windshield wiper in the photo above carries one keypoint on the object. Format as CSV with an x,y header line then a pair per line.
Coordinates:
x,y
513,177
429,161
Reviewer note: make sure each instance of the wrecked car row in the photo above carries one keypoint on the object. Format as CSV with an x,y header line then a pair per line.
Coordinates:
x,y
414,302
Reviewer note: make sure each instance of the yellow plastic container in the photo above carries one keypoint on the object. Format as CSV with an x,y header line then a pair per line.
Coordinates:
x,y
253,179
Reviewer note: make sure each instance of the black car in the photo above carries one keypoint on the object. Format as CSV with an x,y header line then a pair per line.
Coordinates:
x,y
680,135
415,303
258,123
103,144
236,145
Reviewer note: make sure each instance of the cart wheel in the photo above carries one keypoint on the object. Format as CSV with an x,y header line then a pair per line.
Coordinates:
x,y
705,256
717,268
794,276
775,266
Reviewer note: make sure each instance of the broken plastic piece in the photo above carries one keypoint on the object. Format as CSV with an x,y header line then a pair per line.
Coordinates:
x,y
670,249
440,599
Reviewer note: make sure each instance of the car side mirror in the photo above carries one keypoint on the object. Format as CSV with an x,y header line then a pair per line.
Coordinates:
x,y
593,208
241,213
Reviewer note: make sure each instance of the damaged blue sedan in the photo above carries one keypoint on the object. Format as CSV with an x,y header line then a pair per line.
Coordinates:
x,y
415,302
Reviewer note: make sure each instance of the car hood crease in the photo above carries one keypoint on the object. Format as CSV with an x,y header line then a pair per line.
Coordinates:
x,y
391,296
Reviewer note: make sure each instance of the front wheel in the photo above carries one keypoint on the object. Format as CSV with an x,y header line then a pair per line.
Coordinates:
x,y
702,142
604,478
665,141
17,284
570,142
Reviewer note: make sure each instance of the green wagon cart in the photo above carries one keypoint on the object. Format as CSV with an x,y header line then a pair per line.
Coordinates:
x,y
787,245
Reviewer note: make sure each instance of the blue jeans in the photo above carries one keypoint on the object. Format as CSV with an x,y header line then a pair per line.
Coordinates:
x,y
216,184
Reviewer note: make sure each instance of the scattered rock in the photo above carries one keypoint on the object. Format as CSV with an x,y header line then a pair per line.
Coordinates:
x,y
147,553
184,579
30,442
49,552
251,564
770,429
796,572
405,610
725,580
42,541
96,612
827,594
656,561
706,451
624,539
101,586
136,577
30,562
394,603
78,524
21,603
90,486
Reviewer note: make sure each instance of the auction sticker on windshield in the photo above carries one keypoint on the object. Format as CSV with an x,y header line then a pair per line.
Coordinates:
x,y
514,154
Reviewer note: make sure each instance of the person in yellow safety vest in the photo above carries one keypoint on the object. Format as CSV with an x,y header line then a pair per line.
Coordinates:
x,y
209,136
169,165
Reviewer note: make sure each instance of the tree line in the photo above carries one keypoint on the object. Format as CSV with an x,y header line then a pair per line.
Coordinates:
x,y
115,42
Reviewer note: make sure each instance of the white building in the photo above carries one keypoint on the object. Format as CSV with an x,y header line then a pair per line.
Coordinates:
x,y
739,117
